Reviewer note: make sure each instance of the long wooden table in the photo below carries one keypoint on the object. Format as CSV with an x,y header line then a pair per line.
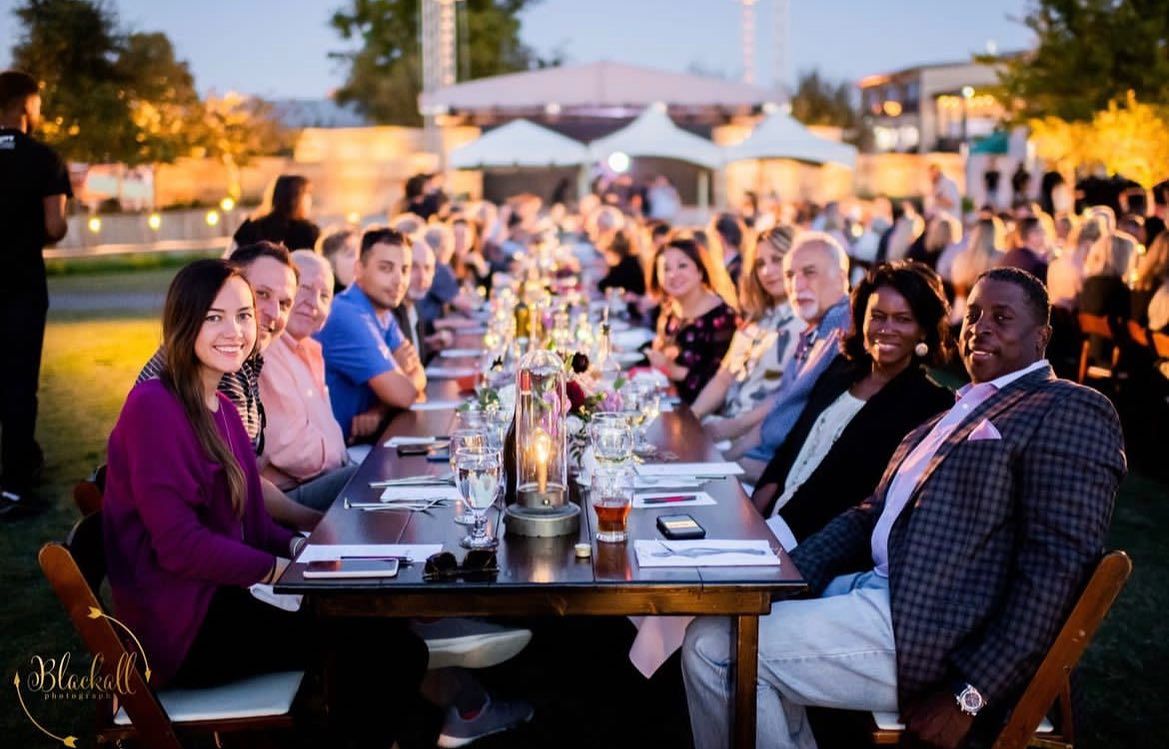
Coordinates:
x,y
540,576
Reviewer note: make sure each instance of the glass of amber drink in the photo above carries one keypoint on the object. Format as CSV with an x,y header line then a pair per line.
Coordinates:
x,y
611,495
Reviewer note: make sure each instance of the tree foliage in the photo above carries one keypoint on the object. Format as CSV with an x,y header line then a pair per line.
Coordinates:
x,y
112,96
819,101
1129,138
1088,53
385,72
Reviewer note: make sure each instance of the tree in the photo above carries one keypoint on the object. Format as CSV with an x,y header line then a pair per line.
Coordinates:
x,y
72,47
235,128
108,96
1128,138
1089,52
162,101
385,73
818,101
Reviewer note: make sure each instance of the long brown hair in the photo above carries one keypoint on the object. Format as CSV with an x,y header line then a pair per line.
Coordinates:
x,y
753,298
191,294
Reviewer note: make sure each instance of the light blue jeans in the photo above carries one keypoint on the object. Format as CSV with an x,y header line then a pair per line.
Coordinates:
x,y
832,651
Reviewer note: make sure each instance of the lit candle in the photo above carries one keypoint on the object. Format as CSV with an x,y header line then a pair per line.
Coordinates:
x,y
541,451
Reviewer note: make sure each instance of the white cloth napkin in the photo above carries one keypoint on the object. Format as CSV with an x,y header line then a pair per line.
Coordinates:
x,y
697,498
449,373
718,469
418,493
646,550
401,440
436,405
267,594
666,482
657,639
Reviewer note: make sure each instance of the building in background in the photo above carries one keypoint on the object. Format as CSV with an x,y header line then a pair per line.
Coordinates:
x,y
930,108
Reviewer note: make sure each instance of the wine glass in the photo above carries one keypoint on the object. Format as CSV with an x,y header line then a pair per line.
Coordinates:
x,y
478,474
612,437
645,405
463,439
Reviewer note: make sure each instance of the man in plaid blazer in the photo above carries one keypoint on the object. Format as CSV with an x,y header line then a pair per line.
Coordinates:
x,y
940,594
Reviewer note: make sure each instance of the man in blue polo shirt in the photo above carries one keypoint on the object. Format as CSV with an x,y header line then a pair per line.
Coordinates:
x,y
370,367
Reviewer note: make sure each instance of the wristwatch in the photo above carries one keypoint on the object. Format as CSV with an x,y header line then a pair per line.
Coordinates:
x,y
970,700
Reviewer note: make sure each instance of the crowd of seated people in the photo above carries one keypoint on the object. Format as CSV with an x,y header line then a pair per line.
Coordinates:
x,y
823,390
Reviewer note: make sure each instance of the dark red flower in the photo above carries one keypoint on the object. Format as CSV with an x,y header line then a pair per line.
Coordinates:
x,y
580,363
576,395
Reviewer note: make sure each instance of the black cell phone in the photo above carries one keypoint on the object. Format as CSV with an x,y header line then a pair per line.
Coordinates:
x,y
405,450
679,527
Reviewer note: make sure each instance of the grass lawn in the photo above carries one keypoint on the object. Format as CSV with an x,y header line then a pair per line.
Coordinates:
x,y
90,361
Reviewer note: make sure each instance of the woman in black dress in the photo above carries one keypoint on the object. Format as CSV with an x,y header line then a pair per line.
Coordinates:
x,y
695,326
865,402
283,217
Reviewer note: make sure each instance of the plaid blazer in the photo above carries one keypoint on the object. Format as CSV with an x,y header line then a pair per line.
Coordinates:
x,y
996,541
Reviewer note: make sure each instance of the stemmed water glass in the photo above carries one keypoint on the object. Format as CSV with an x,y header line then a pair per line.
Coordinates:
x,y
478,475
642,404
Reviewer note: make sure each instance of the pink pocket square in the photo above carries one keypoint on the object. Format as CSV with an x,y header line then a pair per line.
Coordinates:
x,y
984,431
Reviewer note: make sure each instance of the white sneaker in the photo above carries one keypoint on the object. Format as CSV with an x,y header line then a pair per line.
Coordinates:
x,y
469,643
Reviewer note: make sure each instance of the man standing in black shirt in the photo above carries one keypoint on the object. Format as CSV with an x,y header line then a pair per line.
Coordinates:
x,y
34,185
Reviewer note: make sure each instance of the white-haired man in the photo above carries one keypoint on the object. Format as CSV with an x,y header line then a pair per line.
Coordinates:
x,y
304,449
816,277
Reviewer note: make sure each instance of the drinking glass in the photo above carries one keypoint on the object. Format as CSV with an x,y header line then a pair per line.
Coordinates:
x,y
611,495
463,439
612,437
642,403
479,474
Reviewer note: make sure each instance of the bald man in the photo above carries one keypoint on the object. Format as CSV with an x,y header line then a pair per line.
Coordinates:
x,y
304,449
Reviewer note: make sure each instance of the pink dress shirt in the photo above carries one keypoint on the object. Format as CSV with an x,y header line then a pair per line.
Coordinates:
x,y
302,439
909,473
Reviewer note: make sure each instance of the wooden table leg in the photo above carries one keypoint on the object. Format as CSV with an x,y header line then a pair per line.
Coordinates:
x,y
746,671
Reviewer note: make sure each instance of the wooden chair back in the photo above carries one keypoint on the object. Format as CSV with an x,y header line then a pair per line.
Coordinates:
x,y
1103,587
1095,325
1160,344
1101,326
75,570
1051,680
1137,334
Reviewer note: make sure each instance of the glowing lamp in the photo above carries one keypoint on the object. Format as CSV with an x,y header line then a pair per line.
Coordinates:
x,y
618,161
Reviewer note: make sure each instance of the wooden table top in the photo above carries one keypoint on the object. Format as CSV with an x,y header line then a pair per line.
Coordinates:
x,y
548,565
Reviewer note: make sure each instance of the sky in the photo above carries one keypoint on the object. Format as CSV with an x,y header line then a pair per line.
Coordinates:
x,y
280,48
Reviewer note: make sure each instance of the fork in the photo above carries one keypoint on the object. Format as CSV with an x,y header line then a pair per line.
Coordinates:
x,y
702,551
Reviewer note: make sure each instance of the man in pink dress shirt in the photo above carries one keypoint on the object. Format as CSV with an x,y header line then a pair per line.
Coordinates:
x,y
304,450
939,595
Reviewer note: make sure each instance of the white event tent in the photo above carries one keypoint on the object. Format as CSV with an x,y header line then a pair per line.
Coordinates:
x,y
520,143
780,136
654,134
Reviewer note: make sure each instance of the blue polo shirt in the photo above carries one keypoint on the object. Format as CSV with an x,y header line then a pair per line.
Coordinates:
x,y
357,347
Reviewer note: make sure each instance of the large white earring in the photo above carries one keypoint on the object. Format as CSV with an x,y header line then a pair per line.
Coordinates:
x,y
921,349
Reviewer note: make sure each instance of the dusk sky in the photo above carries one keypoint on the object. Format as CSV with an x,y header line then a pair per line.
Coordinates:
x,y
279,48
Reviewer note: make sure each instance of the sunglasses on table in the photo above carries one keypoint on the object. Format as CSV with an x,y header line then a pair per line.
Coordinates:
x,y
478,565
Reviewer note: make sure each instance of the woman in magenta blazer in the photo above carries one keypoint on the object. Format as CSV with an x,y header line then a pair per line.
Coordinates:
x,y
186,532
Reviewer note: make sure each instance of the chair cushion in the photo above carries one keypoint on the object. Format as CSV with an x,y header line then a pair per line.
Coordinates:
x,y
890,722
258,696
